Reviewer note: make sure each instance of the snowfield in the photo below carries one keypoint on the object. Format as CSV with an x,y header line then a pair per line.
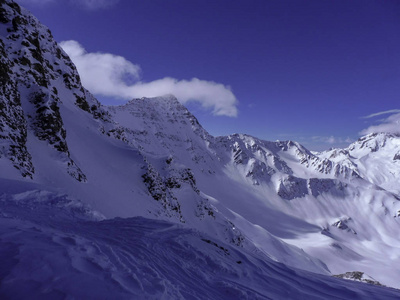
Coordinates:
x,y
56,248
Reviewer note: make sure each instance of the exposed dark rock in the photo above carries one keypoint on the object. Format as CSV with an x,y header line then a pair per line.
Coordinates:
x,y
31,59
357,276
320,186
292,187
161,190
342,224
397,156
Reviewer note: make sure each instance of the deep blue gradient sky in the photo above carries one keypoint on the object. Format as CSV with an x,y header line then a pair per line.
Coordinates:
x,y
301,70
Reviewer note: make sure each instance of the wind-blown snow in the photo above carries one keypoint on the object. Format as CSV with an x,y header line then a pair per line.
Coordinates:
x,y
53,248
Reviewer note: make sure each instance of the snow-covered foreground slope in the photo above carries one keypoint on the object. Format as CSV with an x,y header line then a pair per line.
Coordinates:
x,y
55,248
63,156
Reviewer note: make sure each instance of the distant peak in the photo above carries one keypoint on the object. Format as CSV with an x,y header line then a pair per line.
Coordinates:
x,y
377,136
167,97
375,141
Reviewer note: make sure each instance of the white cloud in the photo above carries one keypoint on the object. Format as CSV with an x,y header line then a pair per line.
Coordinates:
x,y
210,95
114,76
392,111
388,125
332,140
348,140
101,73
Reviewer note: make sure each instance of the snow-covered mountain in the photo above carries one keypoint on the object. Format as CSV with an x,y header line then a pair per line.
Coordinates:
x,y
142,199
376,157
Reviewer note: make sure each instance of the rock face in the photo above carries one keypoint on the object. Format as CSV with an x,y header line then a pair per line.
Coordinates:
x,y
292,187
32,67
162,189
13,125
358,276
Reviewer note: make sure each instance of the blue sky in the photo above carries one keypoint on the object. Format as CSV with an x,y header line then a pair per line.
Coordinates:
x,y
309,71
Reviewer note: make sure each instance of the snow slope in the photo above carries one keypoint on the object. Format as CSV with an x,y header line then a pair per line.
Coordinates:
x,y
55,248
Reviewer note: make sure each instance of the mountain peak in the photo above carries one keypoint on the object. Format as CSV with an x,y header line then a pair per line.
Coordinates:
x,y
375,141
161,107
167,97
167,102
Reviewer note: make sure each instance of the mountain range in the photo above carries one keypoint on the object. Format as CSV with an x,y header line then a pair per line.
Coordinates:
x,y
139,200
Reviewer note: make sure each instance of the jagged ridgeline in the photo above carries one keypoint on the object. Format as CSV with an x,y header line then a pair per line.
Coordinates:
x,y
32,70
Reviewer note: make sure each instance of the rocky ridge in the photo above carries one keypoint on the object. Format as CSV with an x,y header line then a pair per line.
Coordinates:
x,y
31,66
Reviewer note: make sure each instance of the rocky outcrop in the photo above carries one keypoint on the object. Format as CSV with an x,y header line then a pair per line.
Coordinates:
x,y
292,187
358,276
13,124
32,66
318,186
162,188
